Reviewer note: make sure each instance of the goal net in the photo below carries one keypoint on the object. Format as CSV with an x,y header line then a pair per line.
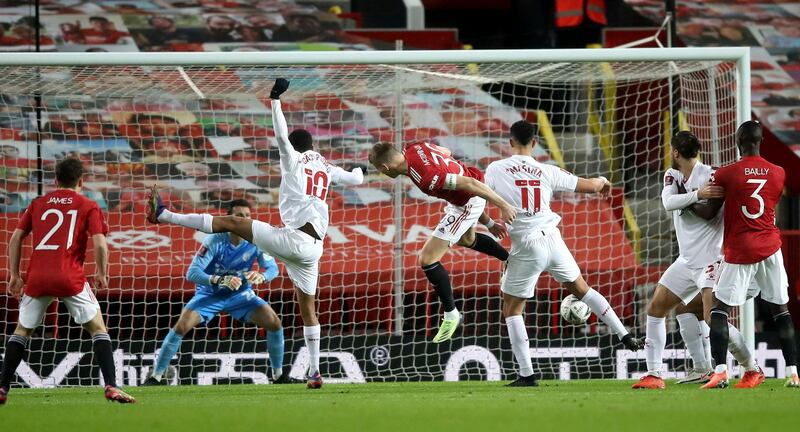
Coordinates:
x,y
201,129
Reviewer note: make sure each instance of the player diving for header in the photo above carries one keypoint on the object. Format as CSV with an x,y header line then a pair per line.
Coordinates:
x,y
432,169
306,177
223,272
536,243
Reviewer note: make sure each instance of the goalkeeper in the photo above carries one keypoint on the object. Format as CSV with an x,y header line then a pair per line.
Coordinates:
x,y
222,270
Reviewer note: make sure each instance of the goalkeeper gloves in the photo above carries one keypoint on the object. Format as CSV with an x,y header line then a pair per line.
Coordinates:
x,y
230,282
281,85
255,277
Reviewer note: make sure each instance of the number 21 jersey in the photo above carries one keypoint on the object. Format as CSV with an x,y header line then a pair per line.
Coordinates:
x,y
60,224
528,185
753,187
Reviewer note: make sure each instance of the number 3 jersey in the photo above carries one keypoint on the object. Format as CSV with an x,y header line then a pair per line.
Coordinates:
x,y
753,187
528,185
435,173
60,224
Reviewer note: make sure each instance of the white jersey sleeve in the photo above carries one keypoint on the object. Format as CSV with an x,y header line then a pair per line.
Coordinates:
x,y
488,176
561,180
288,154
340,176
670,198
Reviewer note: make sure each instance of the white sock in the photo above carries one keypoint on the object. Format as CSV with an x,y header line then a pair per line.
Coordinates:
x,y
738,347
452,315
692,336
599,305
720,368
519,344
707,342
276,373
656,339
311,335
791,371
200,222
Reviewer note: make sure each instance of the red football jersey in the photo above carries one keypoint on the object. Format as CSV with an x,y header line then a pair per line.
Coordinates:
x,y
428,168
61,223
752,189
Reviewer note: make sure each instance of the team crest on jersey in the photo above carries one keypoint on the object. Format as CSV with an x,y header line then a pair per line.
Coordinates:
x,y
202,251
246,256
669,180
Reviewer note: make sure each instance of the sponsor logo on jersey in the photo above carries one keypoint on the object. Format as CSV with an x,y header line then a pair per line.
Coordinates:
x,y
435,179
756,171
61,201
422,156
246,256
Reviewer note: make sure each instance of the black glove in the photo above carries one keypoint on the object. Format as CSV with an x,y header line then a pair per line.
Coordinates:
x,y
281,85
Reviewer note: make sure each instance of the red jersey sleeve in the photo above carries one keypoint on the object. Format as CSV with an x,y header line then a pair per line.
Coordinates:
x,y
433,179
25,223
96,223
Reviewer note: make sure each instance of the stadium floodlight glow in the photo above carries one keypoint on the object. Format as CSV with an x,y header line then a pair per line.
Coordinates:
x,y
199,125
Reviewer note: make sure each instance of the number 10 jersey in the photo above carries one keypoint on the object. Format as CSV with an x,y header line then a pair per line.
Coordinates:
x,y
528,185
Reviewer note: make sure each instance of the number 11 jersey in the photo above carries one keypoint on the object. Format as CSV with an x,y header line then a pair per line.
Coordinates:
x,y
753,187
60,224
528,185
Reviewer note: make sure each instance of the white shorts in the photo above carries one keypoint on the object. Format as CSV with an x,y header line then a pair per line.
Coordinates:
x,y
298,251
739,282
686,282
83,307
457,220
538,252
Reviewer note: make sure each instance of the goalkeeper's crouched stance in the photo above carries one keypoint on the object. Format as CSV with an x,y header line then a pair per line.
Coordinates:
x,y
222,270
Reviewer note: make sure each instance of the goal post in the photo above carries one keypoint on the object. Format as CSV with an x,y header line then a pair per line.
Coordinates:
x,y
198,124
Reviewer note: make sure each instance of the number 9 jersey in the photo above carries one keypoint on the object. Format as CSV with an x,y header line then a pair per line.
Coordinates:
x,y
753,187
60,223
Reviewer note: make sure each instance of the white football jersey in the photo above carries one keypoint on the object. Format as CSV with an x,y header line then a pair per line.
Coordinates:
x,y
528,186
699,240
306,179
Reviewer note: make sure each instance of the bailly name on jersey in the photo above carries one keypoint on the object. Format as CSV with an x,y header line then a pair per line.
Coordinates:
x,y
756,171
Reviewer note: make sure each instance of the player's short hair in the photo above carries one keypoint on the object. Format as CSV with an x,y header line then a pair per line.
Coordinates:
x,y
523,132
69,172
381,152
687,144
301,140
749,134
98,18
238,203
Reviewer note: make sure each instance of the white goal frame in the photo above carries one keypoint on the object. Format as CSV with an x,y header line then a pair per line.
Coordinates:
x,y
740,55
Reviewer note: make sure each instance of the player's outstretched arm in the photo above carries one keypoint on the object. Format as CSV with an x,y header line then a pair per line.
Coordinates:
x,y
14,253
477,188
708,209
287,152
497,229
101,261
350,178
599,185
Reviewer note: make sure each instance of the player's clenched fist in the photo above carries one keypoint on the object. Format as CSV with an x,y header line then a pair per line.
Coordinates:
x,y
255,277
15,286
498,230
710,191
281,85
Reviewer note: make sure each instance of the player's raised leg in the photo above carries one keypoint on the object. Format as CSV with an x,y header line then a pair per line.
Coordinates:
x,y
430,260
513,308
104,356
483,243
600,307
207,223
188,320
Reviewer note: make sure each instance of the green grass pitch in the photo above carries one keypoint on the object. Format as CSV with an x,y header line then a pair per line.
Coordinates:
x,y
411,407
